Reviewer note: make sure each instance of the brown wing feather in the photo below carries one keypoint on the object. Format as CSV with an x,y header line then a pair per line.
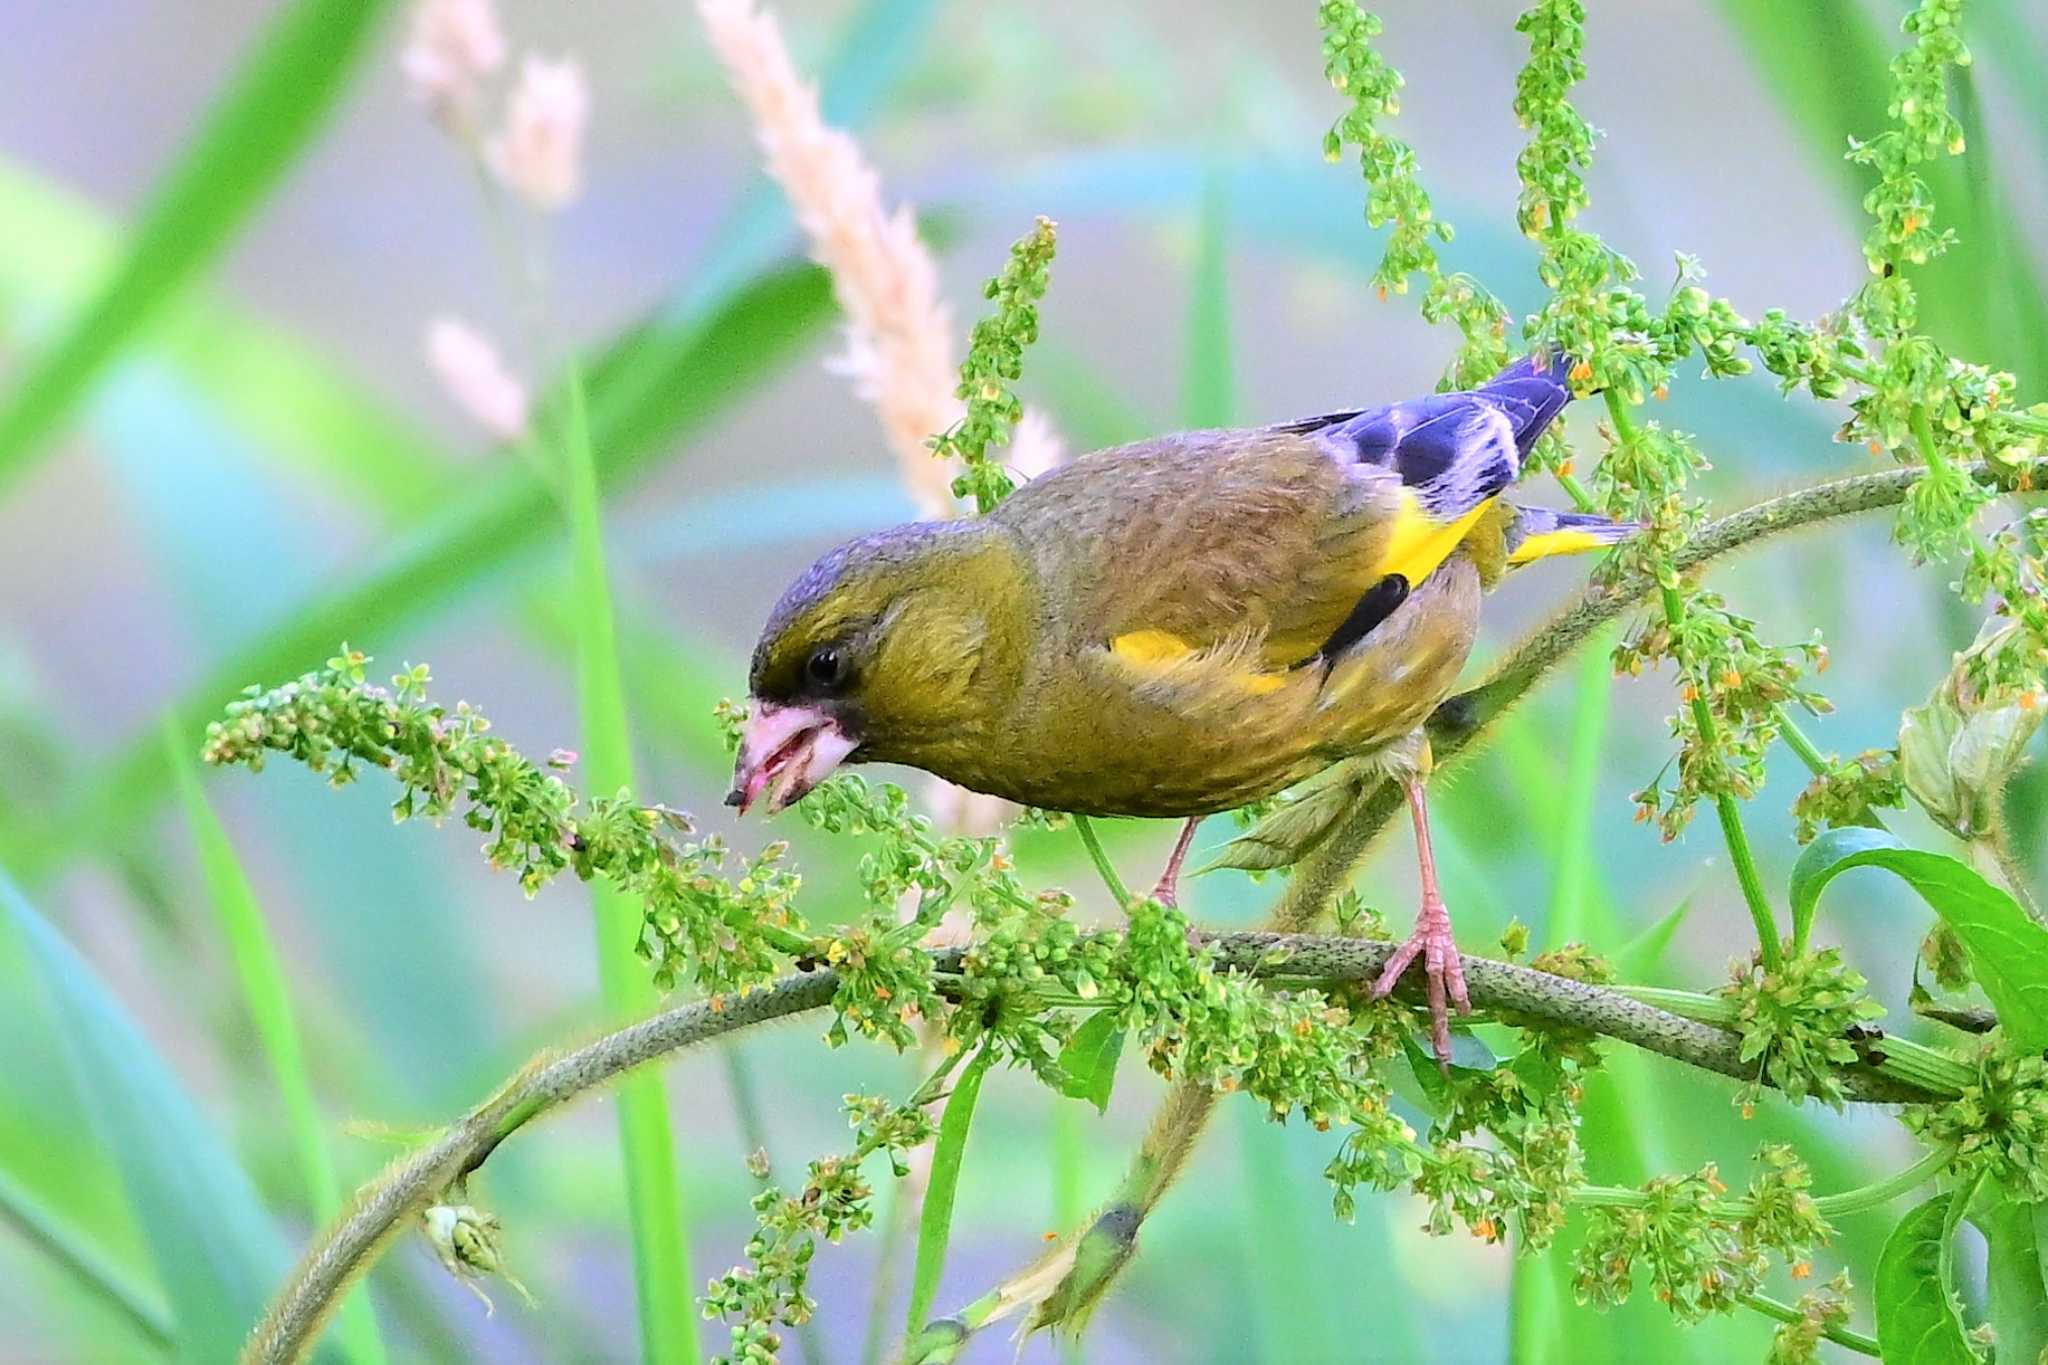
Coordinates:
x,y
1213,538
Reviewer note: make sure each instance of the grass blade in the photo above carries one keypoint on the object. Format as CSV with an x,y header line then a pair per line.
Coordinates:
x,y
267,997
935,1219
263,121
215,1249
141,1306
661,1258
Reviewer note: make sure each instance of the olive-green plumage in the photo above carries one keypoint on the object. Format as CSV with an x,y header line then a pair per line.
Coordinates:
x,y
1186,624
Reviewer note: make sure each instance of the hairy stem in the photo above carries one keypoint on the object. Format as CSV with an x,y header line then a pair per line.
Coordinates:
x,y
346,1250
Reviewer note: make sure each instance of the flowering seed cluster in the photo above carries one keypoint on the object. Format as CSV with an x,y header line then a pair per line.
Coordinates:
x,y
995,360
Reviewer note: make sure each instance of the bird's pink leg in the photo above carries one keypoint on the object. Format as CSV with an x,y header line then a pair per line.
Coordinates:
x,y
1167,892
1432,939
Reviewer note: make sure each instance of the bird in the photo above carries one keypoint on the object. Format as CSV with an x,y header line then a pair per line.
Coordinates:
x,y
1179,626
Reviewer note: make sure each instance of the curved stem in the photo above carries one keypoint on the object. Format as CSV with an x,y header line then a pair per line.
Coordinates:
x,y
1785,1312
347,1249
1725,806
1085,827
1874,1195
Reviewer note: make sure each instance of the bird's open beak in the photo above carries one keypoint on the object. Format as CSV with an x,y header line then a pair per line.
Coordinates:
x,y
787,751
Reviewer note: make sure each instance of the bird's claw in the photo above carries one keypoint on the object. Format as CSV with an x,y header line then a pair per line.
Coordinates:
x,y
1443,970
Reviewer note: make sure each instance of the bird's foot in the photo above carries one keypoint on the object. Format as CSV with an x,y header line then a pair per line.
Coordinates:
x,y
1441,965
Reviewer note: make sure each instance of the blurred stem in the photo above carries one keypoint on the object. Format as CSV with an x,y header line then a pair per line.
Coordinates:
x,y
134,1302
266,996
1785,1312
346,1250
661,1259
1106,869
1725,805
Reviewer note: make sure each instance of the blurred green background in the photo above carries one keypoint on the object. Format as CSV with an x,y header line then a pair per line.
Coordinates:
x,y
221,453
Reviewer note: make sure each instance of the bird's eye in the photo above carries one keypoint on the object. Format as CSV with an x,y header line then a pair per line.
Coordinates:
x,y
826,668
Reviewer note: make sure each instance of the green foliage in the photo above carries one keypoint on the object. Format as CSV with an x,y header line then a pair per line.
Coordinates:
x,y
1998,1126
2008,949
836,1199
215,1249
935,1219
266,995
1919,1317
1031,988
1701,1254
995,361
1799,1022
661,1257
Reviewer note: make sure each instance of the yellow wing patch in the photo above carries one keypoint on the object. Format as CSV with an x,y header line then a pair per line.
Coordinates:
x,y
1155,651
1568,541
1149,647
1420,542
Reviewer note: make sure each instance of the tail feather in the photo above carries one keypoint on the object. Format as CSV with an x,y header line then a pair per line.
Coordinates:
x,y
1539,532
1532,392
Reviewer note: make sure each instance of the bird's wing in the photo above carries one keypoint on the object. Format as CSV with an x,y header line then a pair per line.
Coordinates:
x,y
1264,549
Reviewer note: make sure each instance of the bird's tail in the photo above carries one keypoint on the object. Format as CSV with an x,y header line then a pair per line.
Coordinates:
x,y
1538,533
1532,392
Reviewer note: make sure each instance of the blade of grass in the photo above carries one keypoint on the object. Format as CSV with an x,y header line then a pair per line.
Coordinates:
x,y
661,1259
139,1305
483,528
266,995
215,1250
935,1219
262,122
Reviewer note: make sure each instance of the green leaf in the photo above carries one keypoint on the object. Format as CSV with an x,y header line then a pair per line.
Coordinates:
x,y
1088,1061
665,384
1917,1319
1642,957
661,1254
216,1252
264,119
267,996
2008,950
935,1220
2017,1274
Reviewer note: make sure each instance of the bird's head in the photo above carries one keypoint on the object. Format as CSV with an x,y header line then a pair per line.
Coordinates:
x,y
879,652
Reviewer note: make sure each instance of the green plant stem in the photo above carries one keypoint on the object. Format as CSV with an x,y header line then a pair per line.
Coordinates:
x,y
661,1261
1799,742
935,1222
345,1250
266,995
1874,1195
1725,805
1785,1312
1085,827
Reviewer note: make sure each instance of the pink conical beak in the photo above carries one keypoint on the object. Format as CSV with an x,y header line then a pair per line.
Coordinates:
x,y
786,752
